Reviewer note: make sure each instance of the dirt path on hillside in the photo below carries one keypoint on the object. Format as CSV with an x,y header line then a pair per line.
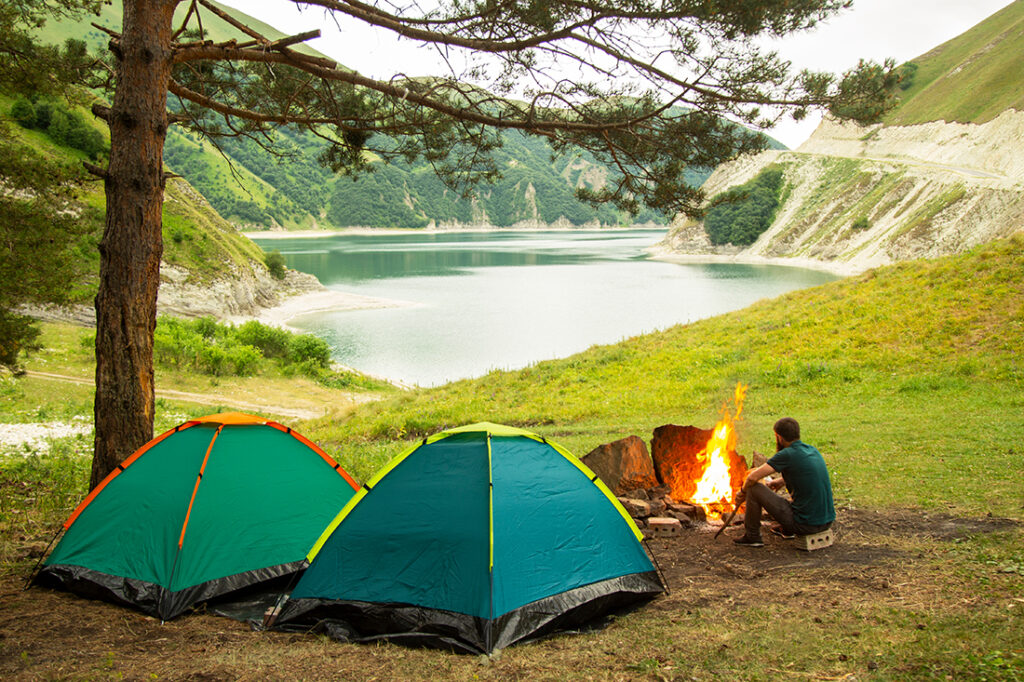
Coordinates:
x,y
225,400
878,557
910,161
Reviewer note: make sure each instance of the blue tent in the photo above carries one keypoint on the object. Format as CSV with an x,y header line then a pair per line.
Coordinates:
x,y
473,539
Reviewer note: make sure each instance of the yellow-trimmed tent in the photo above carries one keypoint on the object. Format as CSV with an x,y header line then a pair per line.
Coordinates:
x,y
476,538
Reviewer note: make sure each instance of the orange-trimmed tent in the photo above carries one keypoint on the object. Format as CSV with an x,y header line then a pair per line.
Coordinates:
x,y
214,505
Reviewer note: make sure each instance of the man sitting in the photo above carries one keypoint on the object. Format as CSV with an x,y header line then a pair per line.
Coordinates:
x,y
805,476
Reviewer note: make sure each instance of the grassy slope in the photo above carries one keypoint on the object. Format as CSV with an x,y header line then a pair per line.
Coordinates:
x,y
971,78
909,379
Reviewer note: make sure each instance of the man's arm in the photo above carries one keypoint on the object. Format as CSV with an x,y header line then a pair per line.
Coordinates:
x,y
757,474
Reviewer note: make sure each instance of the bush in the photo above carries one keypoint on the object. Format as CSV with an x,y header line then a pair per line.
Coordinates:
x,y
861,223
306,348
205,346
24,113
275,264
907,73
206,327
63,125
273,342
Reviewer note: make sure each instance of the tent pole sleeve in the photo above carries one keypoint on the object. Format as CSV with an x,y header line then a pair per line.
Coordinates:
x,y
121,467
199,479
490,544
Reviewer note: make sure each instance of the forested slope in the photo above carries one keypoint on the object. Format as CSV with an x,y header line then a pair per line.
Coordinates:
x,y
254,189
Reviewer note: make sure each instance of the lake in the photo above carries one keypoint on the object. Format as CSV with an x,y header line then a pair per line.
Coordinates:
x,y
504,300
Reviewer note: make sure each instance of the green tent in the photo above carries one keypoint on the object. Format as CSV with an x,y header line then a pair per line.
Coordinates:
x,y
474,539
214,505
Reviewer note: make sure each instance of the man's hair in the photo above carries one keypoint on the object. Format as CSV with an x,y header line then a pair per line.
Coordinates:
x,y
788,428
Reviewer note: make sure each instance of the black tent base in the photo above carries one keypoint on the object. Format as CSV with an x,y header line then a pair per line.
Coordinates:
x,y
357,621
155,600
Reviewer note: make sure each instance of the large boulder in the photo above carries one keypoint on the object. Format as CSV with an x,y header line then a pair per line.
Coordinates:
x,y
624,465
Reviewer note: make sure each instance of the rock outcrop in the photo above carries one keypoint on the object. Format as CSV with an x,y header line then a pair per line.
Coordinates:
x,y
246,295
242,295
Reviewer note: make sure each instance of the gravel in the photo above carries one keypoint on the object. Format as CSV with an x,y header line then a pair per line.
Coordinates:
x,y
29,439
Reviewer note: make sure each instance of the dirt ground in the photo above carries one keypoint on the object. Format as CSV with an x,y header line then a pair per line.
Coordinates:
x,y
46,634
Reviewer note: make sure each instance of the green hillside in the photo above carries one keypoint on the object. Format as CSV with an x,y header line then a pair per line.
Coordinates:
x,y
971,78
196,238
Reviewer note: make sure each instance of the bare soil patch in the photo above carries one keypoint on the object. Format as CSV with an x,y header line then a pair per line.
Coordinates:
x,y
46,634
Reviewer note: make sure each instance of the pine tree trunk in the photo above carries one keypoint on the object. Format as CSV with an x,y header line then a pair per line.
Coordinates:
x,y
132,244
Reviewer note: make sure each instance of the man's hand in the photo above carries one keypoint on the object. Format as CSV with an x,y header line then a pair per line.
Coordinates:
x,y
776,483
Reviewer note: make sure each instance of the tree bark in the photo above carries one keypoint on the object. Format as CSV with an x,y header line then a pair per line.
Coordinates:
x,y
132,243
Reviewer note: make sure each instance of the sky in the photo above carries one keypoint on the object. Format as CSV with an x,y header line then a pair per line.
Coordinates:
x,y
871,29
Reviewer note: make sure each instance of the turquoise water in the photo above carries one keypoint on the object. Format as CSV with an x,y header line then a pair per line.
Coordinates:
x,y
505,300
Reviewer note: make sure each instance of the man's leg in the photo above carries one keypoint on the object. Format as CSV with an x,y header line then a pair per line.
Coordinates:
x,y
779,508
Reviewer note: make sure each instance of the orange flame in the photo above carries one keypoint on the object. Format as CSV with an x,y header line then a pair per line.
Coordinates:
x,y
714,488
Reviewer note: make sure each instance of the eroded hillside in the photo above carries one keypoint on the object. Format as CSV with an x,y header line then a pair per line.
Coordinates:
x,y
858,197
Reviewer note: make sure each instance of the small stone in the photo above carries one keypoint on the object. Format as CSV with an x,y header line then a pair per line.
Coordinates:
x,y
657,506
636,508
684,519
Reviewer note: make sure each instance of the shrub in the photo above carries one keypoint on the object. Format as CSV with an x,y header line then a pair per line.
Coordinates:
x,y
275,264
205,346
308,348
206,327
861,223
907,72
274,342
24,113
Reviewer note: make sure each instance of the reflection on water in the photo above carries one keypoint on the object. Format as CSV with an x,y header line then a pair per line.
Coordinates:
x,y
508,299
344,260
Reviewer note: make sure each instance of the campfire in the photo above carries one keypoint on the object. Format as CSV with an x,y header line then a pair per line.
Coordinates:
x,y
701,466
691,474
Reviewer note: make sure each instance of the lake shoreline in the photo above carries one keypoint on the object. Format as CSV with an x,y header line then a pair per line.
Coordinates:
x,y
656,252
847,269
323,300
505,301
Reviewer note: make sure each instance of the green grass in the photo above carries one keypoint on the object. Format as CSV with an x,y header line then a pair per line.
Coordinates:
x,y
972,78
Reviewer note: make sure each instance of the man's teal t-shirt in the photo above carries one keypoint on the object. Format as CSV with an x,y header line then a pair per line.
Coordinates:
x,y
803,469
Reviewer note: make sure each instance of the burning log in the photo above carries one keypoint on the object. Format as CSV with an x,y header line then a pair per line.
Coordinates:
x,y
681,461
